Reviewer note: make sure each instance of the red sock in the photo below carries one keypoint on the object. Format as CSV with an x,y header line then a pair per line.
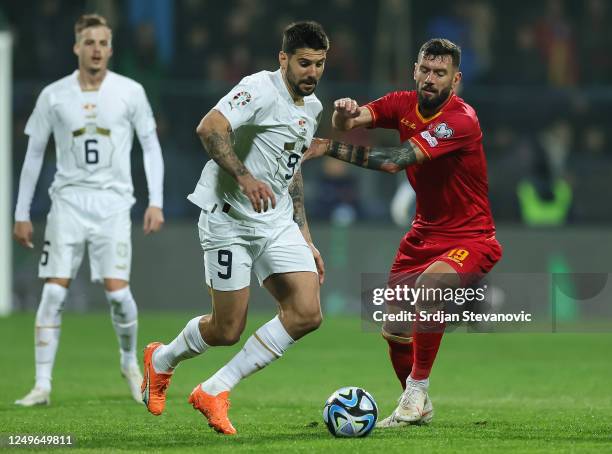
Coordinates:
x,y
426,341
401,357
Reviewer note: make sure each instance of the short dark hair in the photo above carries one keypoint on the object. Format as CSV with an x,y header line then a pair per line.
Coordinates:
x,y
86,21
304,34
440,46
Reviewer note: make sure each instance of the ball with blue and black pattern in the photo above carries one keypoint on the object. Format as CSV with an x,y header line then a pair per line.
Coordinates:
x,y
350,412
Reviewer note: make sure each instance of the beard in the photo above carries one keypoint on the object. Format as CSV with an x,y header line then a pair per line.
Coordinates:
x,y
433,102
294,82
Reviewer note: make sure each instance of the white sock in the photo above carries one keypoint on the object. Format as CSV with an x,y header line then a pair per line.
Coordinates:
x,y
423,384
47,332
187,344
267,344
124,315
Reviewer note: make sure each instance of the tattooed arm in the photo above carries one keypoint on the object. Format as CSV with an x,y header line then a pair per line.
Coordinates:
x,y
215,134
296,191
387,159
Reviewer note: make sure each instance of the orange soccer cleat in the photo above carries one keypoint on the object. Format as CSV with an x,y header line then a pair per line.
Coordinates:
x,y
214,408
154,384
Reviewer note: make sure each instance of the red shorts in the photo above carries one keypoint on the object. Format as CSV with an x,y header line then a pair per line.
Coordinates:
x,y
471,258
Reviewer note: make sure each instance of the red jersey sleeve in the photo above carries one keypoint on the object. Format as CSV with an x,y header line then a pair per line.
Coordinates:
x,y
385,110
449,134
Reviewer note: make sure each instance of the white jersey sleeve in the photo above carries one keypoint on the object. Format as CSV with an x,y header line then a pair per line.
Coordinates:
x,y
142,117
30,172
40,123
245,104
154,168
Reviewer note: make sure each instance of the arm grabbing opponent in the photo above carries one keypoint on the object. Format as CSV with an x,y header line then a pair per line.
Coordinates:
x,y
386,159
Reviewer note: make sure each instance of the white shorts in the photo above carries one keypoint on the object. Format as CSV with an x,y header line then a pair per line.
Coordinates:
x,y
76,222
232,248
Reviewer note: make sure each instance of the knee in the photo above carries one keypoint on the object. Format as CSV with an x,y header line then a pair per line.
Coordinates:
x,y
51,304
305,321
122,304
114,285
434,286
313,320
223,333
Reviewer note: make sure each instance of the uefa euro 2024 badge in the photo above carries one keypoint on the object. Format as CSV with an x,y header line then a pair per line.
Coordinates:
x,y
240,99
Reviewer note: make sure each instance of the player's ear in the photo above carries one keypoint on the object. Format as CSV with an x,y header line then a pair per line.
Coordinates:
x,y
75,49
416,65
283,59
456,79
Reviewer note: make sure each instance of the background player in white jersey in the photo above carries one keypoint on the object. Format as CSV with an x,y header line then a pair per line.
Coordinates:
x,y
251,196
92,115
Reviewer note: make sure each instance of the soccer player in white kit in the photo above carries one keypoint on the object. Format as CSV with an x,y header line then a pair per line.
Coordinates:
x,y
92,115
252,218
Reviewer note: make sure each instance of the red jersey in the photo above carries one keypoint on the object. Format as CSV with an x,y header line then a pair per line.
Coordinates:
x,y
451,184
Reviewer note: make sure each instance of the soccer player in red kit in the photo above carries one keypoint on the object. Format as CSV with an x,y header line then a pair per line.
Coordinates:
x,y
452,240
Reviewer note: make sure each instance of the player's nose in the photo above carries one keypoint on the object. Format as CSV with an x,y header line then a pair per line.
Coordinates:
x,y
311,71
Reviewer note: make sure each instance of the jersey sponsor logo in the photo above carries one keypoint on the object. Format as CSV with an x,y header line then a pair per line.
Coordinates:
x,y
408,123
443,131
432,141
240,99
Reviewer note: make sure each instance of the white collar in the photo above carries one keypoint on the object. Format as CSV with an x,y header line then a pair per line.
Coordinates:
x,y
75,79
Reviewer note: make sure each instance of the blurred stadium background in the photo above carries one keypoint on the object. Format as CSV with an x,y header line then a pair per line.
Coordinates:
x,y
538,73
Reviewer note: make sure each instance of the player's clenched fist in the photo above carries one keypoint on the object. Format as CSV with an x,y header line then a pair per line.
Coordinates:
x,y
347,107
257,191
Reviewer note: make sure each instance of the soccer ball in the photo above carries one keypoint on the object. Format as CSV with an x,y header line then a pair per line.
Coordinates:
x,y
350,412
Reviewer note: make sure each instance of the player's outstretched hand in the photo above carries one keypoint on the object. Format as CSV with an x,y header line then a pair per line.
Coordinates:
x,y
317,148
258,192
153,220
346,107
319,262
22,232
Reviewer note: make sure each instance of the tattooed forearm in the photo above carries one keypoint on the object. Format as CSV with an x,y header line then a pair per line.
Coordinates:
x,y
376,158
296,191
219,147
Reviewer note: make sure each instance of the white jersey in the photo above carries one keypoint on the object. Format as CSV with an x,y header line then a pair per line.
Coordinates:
x,y
271,133
93,133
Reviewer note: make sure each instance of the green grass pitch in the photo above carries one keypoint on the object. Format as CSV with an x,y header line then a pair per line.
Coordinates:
x,y
491,392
